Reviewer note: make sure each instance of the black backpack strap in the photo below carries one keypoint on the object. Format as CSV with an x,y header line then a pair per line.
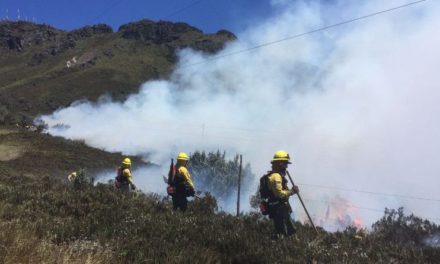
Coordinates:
x,y
120,177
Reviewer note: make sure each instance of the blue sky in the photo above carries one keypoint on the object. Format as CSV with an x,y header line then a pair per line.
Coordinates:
x,y
208,15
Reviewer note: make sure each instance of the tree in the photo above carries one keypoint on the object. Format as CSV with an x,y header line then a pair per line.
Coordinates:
x,y
215,174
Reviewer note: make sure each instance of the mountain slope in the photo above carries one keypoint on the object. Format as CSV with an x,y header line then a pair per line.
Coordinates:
x,y
35,77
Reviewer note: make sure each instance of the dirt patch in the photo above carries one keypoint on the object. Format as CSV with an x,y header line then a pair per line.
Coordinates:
x,y
10,152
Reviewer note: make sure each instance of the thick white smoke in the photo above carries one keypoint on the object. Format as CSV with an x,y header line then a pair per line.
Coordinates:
x,y
356,106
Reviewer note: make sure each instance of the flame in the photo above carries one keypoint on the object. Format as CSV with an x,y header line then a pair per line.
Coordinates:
x,y
358,223
340,213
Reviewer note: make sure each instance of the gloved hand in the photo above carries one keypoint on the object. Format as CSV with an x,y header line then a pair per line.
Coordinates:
x,y
294,190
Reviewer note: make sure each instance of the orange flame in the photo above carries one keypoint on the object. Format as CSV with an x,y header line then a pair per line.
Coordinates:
x,y
340,214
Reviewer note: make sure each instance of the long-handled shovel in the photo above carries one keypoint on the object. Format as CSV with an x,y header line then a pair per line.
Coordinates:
x,y
302,203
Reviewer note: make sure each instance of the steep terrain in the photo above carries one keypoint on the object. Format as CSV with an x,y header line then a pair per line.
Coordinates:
x,y
43,68
46,220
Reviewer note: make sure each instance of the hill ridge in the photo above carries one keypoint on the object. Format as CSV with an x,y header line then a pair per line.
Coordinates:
x,y
43,68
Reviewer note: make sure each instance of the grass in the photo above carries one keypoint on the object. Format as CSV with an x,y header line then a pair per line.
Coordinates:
x,y
29,88
143,228
22,245
44,155
47,220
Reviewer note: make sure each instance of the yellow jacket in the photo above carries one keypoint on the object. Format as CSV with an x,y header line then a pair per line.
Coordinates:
x,y
276,186
127,174
185,175
71,177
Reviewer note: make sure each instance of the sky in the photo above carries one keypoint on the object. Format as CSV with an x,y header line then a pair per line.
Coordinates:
x,y
356,106
208,15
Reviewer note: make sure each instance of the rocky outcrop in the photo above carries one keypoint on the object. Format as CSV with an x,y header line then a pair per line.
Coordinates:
x,y
21,35
159,33
226,34
43,68
175,35
89,31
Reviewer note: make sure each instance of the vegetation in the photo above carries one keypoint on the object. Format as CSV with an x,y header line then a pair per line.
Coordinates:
x,y
35,79
50,220
217,175
46,219
138,228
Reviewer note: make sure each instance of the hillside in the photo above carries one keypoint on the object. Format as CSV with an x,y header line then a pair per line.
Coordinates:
x,y
35,77
44,219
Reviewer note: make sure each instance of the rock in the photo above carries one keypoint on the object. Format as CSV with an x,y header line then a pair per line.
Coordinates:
x,y
15,43
207,45
227,34
20,35
88,31
159,33
87,59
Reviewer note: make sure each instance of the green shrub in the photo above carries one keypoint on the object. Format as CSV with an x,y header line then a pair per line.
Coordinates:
x,y
219,176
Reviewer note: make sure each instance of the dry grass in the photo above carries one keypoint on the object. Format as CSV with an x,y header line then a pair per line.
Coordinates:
x,y
9,152
22,245
43,220
61,224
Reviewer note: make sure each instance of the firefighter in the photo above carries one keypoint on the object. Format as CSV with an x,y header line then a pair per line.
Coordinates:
x,y
181,185
124,178
279,193
74,180
78,179
72,176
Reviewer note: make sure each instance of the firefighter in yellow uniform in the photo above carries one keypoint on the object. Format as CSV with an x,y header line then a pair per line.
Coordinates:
x,y
182,183
74,179
279,207
124,178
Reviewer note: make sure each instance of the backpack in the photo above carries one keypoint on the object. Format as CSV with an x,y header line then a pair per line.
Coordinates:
x,y
120,178
179,186
264,190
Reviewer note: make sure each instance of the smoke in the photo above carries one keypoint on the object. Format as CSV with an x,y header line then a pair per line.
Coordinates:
x,y
432,241
154,178
356,106
147,178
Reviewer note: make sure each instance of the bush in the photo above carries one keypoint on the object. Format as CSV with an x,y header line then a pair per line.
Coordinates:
x,y
397,227
139,228
216,175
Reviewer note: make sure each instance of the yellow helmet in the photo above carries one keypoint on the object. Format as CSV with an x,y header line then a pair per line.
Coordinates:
x,y
281,155
182,156
72,176
126,162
